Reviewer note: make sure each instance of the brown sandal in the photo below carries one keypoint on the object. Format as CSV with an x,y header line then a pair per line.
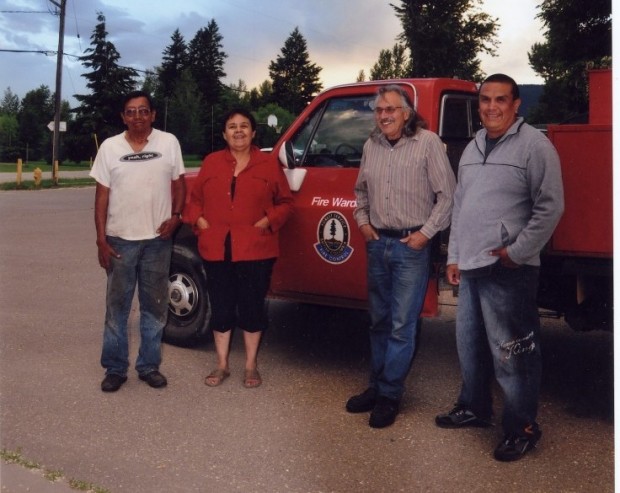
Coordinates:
x,y
252,379
216,377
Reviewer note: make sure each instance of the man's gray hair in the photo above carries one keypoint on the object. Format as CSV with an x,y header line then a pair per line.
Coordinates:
x,y
414,122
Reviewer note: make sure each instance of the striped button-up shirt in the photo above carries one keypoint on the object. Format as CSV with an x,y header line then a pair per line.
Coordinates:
x,y
410,184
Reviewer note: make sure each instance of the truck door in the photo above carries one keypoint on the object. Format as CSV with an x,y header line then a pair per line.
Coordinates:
x,y
323,256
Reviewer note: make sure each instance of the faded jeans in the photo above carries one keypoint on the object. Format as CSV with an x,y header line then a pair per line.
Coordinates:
x,y
397,282
147,264
498,332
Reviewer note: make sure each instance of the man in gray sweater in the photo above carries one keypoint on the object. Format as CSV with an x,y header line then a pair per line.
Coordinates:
x,y
508,200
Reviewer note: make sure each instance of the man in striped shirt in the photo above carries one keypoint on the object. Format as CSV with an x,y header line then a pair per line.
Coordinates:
x,y
404,197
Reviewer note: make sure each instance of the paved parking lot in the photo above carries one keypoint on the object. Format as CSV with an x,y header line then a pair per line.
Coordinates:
x,y
290,435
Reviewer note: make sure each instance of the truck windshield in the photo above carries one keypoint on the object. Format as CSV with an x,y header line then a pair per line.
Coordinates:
x,y
335,133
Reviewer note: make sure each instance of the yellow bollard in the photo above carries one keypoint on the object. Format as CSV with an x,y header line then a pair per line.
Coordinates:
x,y
37,177
19,172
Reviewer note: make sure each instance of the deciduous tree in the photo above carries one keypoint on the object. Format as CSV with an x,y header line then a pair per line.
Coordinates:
x,y
578,38
392,64
9,145
267,136
445,37
184,114
37,110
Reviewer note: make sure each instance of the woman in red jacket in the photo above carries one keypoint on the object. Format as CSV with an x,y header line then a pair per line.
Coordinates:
x,y
238,203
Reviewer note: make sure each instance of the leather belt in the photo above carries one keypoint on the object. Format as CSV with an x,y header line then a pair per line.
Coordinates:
x,y
398,233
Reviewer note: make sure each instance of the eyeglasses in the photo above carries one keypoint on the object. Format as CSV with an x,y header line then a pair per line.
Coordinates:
x,y
387,109
132,112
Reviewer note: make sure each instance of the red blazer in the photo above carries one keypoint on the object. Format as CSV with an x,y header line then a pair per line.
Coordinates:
x,y
261,190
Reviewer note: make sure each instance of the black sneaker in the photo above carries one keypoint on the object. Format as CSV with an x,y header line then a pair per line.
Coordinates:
x,y
112,382
384,412
363,402
461,417
516,445
154,379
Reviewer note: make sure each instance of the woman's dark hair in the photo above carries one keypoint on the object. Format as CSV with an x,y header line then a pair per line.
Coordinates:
x,y
138,94
414,122
504,79
239,111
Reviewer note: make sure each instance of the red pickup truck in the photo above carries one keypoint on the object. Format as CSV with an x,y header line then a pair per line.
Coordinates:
x,y
323,259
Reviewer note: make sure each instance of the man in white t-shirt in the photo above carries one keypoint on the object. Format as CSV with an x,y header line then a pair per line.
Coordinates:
x,y
138,202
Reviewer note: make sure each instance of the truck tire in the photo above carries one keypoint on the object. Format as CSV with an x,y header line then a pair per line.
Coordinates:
x,y
189,310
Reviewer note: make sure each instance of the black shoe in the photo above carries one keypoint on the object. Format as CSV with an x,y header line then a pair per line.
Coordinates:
x,y
112,382
154,379
363,402
384,413
461,417
516,445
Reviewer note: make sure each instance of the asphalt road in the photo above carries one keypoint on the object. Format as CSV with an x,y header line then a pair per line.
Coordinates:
x,y
290,435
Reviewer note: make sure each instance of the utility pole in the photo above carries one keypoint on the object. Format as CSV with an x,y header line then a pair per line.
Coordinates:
x,y
61,4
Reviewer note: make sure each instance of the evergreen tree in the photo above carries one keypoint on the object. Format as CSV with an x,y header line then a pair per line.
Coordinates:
x,y
206,60
108,83
206,63
391,64
295,79
175,60
578,38
445,37
10,103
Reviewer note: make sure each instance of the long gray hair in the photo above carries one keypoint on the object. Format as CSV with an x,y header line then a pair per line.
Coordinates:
x,y
413,123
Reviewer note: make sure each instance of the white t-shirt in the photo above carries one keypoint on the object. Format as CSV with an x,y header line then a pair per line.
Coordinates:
x,y
139,183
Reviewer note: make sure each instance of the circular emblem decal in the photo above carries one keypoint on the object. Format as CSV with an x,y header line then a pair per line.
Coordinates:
x,y
333,238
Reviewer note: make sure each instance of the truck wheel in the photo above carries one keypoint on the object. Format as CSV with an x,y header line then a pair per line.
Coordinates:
x,y
189,310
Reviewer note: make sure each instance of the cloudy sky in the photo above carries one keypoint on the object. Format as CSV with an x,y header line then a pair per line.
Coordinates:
x,y
343,36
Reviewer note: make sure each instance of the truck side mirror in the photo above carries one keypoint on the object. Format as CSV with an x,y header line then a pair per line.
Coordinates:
x,y
286,155
294,175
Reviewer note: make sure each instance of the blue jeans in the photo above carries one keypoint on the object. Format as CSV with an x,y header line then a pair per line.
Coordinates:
x,y
498,332
397,282
147,263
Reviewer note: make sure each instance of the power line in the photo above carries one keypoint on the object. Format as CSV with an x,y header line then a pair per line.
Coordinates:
x,y
24,11
51,53
43,52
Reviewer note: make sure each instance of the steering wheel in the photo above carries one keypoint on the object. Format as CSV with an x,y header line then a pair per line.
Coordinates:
x,y
346,146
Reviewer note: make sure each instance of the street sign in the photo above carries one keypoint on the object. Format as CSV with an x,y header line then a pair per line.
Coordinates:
x,y
62,127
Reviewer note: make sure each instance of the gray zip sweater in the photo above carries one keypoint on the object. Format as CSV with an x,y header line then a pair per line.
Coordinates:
x,y
514,198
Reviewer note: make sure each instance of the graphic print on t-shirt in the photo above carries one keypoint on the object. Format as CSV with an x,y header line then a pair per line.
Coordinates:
x,y
140,156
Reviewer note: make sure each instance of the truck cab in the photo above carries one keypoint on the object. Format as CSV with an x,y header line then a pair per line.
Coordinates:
x,y
322,254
